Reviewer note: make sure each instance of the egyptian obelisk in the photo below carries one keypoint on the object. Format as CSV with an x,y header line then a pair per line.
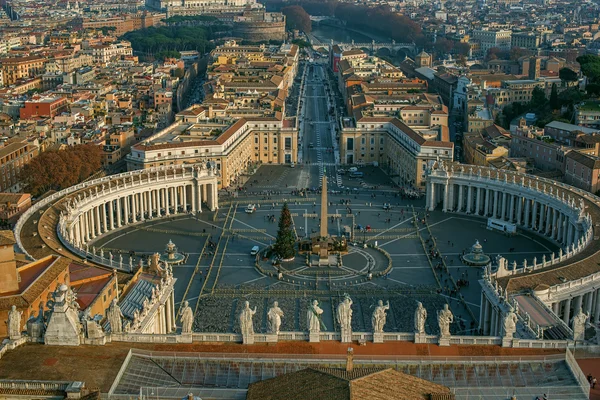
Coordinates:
x,y
323,232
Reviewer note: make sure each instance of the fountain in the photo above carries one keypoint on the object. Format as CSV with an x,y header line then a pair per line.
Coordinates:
x,y
171,255
476,258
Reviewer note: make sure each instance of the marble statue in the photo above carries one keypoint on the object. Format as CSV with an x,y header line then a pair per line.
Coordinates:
x,y
136,318
187,318
115,316
420,318
246,325
274,318
313,317
579,321
510,323
445,318
344,314
14,323
379,316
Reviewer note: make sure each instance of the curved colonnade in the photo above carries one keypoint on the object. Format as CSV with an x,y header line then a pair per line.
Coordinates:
x,y
562,213
94,208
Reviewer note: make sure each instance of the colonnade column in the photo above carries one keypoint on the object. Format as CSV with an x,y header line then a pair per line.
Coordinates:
x,y
554,229
511,210
495,210
479,196
460,197
184,189
567,312
487,202
469,198
534,215
431,197
119,212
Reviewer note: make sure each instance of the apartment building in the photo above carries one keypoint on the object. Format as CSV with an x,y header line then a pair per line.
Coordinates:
x,y
480,150
103,53
13,156
43,107
16,68
489,39
582,171
526,40
588,114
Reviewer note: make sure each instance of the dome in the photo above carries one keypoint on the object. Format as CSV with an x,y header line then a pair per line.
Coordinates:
x,y
63,287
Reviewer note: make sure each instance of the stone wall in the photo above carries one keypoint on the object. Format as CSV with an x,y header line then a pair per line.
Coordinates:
x,y
260,31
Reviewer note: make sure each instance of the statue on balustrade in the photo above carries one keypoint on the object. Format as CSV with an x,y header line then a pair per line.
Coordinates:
x,y
274,318
187,318
14,323
344,314
115,317
313,317
579,321
420,318
246,325
445,318
510,323
379,316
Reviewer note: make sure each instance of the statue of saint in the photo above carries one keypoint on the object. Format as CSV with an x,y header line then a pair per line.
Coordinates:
x,y
379,316
445,318
579,321
274,318
187,318
313,317
510,324
420,318
246,326
344,315
114,316
14,323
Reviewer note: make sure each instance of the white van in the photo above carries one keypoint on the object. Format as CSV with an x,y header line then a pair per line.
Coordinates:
x,y
251,208
254,251
352,169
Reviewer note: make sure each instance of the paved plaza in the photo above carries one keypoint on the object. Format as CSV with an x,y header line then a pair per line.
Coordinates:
x,y
219,272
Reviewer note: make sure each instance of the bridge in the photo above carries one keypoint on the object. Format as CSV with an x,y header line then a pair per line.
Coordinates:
x,y
373,47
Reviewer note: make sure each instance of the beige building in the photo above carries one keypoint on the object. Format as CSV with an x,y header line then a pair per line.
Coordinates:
x,y
232,146
478,150
14,69
405,153
583,171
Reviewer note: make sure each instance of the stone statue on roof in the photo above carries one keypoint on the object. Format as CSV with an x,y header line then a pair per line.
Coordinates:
x,y
114,316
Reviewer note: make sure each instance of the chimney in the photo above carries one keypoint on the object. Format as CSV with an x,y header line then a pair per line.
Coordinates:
x,y
350,360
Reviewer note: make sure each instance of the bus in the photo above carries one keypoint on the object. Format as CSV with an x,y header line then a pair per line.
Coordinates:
x,y
502,226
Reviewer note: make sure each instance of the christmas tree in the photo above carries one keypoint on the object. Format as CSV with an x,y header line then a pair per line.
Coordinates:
x,y
286,238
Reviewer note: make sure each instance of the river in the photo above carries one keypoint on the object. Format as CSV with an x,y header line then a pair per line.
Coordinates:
x,y
325,33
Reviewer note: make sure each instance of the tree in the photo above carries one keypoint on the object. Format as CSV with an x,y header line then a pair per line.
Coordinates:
x,y
518,52
567,75
554,103
286,238
462,48
443,45
297,18
56,170
538,97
